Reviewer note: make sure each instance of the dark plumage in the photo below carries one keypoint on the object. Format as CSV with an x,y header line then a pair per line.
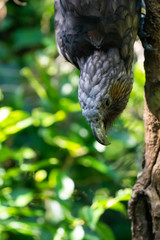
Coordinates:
x,y
97,36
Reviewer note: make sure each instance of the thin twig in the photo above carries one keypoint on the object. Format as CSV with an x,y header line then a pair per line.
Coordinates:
x,y
20,3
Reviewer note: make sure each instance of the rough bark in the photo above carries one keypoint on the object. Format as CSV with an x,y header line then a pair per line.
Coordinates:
x,y
144,206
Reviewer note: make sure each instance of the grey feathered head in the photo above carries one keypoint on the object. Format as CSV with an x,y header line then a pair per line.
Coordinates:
x,y
104,90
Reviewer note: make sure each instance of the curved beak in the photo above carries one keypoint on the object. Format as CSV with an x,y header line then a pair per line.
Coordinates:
x,y
99,133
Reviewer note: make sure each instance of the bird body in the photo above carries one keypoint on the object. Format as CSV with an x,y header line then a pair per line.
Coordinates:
x,y
97,36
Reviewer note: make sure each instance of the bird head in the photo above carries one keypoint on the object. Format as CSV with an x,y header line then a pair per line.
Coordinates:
x,y
104,90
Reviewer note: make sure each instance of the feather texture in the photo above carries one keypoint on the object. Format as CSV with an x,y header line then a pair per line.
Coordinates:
x,y
97,36
83,25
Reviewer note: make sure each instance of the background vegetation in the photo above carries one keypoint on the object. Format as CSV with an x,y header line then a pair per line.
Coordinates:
x,y
56,181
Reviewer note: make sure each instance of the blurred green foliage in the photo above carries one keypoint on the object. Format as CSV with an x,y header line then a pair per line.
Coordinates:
x,y
56,181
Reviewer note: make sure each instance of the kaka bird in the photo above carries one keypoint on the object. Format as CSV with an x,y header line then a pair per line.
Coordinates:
x,y
97,36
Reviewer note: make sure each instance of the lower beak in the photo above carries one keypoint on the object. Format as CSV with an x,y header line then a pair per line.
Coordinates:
x,y
99,132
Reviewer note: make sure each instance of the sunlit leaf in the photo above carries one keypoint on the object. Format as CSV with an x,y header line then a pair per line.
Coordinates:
x,y
25,153
117,206
64,185
124,195
12,173
47,119
54,211
40,175
12,129
78,233
20,197
69,106
3,137
67,188
13,122
91,216
35,166
26,228
7,212
54,178
113,203
4,113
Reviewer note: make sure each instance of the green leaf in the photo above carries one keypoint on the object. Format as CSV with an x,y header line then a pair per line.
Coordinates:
x,y
77,233
21,227
124,194
112,203
99,166
26,167
5,153
74,148
12,122
104,231
46,119
64,185
39,89
69,105
4,113
117,206
91,216
20,197
91,237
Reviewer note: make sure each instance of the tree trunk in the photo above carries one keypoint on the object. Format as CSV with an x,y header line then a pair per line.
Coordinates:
x,y
144,206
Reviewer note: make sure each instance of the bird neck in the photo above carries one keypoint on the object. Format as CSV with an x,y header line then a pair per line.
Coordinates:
x,y
96,71
97,65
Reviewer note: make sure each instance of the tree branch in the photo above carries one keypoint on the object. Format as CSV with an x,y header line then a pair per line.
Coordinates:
x,y
144,206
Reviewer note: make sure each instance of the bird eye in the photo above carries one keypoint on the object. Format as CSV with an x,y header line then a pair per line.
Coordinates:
x,y
108,102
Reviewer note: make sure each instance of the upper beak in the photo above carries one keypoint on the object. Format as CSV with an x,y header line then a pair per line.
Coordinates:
x,y
99,132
